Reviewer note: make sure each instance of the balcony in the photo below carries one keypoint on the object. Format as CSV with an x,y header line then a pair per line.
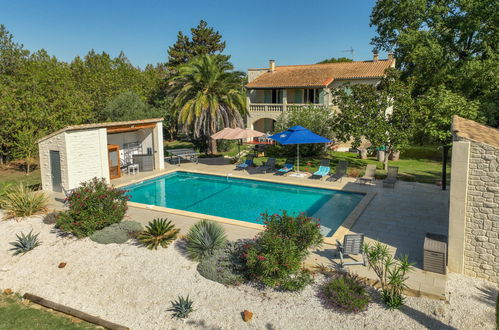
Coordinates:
x,y
279,107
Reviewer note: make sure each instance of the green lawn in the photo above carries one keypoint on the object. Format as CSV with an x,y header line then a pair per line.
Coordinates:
x,y
15,315
231,152
421,164
12,175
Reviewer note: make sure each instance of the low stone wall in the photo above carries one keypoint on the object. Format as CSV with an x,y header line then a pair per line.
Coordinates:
x,y
481,253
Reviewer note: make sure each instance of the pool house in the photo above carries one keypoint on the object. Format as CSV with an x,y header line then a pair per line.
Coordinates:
x,y
78,153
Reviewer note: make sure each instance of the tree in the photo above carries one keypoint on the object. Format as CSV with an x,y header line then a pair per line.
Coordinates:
x,y
128,106
335,60
319,120
25,146
204,40
209,96
453,44
384,114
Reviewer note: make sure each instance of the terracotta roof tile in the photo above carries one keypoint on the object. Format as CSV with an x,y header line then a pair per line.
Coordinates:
x,y
472,130
319,75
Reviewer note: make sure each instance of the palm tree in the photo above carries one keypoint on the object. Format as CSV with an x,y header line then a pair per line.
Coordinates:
x,y
209,96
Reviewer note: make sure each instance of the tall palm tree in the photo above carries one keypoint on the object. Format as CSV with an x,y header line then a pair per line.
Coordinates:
x,y
209,96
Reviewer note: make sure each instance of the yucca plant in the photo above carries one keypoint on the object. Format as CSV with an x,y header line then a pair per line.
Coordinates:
x,y
181,307
25,243
158,232
204,238
21,201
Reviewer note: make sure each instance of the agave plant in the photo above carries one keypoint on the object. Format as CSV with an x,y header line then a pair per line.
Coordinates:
x,y
21,201
25,243
204,238
181,307
158,232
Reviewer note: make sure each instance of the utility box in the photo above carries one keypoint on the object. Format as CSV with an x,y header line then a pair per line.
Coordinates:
x,y
435,253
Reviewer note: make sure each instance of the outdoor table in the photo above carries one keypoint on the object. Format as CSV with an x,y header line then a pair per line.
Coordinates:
x,y
189,154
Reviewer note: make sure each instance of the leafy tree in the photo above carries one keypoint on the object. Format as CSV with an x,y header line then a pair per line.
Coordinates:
x,y
25,146
452,43
204,40
128,106
209,96
335,60
384,114
317,119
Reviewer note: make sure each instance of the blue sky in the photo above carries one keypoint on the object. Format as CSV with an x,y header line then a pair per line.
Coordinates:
x,y
291,32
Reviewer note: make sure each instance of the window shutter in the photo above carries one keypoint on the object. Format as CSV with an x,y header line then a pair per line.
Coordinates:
x,y
321,96
267,96
298,95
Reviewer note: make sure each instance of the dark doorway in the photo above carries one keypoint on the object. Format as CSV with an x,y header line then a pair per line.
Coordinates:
x,y
55,170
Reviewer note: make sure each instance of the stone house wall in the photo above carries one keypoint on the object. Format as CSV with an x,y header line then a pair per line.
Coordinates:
x,y
481,246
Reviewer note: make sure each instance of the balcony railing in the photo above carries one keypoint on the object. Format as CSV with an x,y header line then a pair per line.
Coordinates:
x,y
273,107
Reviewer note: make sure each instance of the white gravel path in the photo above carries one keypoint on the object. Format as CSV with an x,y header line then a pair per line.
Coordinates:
x,y
133,286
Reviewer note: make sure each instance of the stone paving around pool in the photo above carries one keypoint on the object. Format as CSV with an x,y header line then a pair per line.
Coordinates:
x,y
398,217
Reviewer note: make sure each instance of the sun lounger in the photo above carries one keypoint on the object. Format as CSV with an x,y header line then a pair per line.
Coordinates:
x,y
324,169
352,245
369,175
391,176
246,164
340,172
269,165
288,167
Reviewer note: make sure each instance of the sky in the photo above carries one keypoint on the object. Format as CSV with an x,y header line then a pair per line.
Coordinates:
x,y
291,32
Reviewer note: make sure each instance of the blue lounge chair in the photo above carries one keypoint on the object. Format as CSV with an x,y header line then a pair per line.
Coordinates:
x,y
246,164
324,169
288,167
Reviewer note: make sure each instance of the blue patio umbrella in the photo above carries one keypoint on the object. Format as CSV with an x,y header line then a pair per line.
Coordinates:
x,y
298,135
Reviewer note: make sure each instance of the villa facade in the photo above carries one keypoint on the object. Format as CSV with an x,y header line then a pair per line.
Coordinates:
x,y
275,89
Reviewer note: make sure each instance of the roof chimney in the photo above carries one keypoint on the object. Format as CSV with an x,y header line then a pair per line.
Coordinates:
x,y
375,56
271,65
390,56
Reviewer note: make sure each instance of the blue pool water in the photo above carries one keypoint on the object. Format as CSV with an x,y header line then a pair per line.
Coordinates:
x,y
244,200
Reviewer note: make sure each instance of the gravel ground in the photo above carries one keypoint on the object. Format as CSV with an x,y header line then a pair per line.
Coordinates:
x,y
133,286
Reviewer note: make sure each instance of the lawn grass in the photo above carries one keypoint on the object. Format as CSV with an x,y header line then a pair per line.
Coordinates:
x,y
231,152
419,164
10,174
16,315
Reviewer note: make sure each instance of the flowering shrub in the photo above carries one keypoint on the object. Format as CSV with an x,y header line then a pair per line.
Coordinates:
x,y
92,206
275,257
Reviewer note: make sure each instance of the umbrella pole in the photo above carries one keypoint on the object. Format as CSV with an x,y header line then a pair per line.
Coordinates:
x,y
298,153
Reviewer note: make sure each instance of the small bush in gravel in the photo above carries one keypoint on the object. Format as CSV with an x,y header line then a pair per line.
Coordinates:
x,y
25,243
159,232
204,238
346,293
93,206
181,307
22,201
225,266
117,232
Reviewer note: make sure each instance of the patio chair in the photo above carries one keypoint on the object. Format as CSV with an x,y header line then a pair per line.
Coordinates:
x,y
391,176
324,169
340,172
352,245
67,193
369,175
269,165
247,163
288,167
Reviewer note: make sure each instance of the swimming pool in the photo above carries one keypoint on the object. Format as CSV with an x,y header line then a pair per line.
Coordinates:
x,y
243,199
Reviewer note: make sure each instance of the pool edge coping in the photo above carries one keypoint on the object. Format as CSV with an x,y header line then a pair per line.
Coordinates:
x,y
342,230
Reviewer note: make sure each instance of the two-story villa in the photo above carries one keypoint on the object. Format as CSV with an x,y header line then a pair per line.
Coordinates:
x,y
272,90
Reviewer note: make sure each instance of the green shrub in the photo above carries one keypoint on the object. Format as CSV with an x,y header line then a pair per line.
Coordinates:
x,y
302,230
276,256
25,243
225,266
92,206
204,238
181,307
391,273
117,232
158,232
21,201
346,293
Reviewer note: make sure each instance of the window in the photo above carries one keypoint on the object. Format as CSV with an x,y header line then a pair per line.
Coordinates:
x,y
311,96
276,96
